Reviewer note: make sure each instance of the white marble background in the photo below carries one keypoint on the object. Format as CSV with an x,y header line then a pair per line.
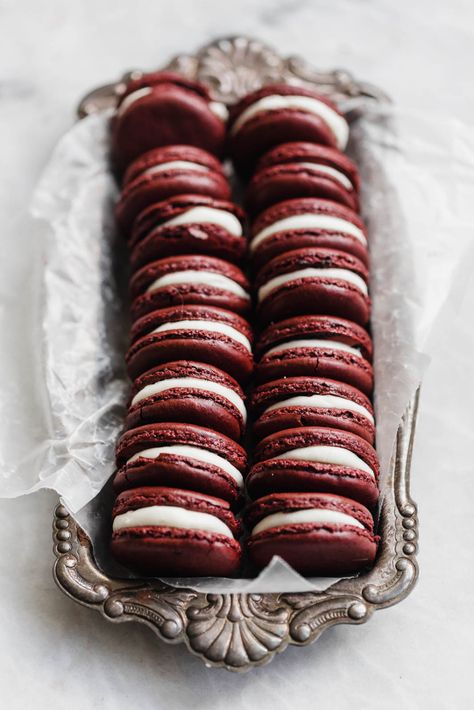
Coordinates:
x,y
53,653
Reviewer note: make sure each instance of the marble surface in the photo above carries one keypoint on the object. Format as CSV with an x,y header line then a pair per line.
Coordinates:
x,y
53,652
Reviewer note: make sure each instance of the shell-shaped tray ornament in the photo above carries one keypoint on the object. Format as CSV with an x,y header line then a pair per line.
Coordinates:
x,y
241,631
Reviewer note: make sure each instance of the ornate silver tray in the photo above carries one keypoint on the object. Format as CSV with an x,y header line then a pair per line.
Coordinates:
x,y
240,631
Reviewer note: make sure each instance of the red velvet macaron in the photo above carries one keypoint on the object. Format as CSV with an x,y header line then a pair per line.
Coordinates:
x,y
311,401
295,170
317,459
188,224
316,533
198,279
200,333
183,455
313,281
189,392
163,108
172,532
307,222
165,172
282,113
320,346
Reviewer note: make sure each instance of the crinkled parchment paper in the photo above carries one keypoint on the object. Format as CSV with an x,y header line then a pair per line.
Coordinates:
x,y
421,254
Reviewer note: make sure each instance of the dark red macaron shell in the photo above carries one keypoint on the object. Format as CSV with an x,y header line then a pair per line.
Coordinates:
x,y
299,170
170,551
153,239
149,349
172,469
307,152
187,404
144,184
326,549
289,239
289,416
198,293
175,111
313,295
313,360
274,127
271,474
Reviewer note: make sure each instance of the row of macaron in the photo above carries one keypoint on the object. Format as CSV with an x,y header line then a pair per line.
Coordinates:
x,y
187,300
180,467
315,469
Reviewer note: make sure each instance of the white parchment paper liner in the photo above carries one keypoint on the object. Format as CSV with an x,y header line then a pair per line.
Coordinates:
x,y
420,257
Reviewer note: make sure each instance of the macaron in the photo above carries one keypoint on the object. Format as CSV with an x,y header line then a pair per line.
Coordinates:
x,y
189,392
316,346
316,533
311,401
315,459
307,222
188,224
163,172
295,170
171,532
197,279
312,281
163,108
282,113
182,455
204,334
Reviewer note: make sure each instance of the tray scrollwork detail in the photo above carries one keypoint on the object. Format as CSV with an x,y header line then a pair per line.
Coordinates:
x,y
242,631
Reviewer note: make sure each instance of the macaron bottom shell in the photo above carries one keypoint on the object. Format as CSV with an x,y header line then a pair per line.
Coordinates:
x,y
163,551
314,550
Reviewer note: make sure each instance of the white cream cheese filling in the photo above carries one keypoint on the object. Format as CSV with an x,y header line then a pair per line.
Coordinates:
x,y
170,516
312,273
209,326
192,452
131,98
297,222
192,383
314,343
174,165
322,401
207,215
336,123
337,455
328,170
309,515
203,278
219,109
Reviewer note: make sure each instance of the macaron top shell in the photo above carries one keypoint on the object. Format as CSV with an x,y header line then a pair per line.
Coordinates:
x,y
303,152
283,389
134,441
309,170
171,154
149,322
306,205
187,208
310,257
289,440
148,496
288,502
145,277
323,327
186,369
